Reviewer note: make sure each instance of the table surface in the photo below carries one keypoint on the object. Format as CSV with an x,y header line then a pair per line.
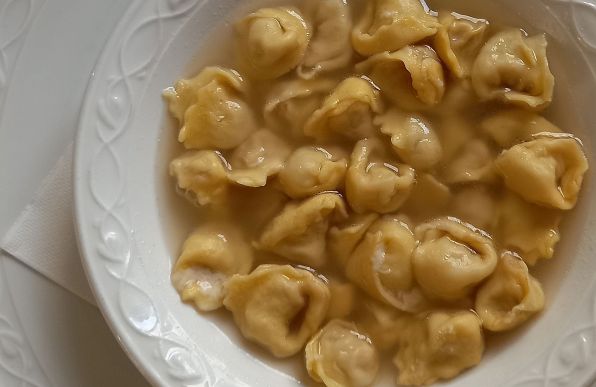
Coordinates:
x,y
48,336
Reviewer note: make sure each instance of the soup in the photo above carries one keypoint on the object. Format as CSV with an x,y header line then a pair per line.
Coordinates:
x,y
374,179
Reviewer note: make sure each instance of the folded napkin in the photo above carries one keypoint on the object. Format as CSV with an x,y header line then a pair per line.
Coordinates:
x,y
43,237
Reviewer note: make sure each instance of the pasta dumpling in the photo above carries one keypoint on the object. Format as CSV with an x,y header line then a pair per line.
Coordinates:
x,y
201,176
388,25
475,163
547,171
452,258
512,126
381,264
299,232
347,111
272,41
211,109
381,322
513,68
476,204
454,134
510,296
289,104
458,41
278,306
344,237
388,167
459,99
262,155
530,230
412,78
439,346
330,47
343,299
340,356
209,257
312,170
373,184
429,196
412,137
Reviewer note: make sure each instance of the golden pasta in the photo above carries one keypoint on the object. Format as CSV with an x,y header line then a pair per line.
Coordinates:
x,y
388,25
210,256
347,112
374,185
510,296
312,170
278,306
272,41
339,356
330,48
513,68
412,78
372,181
211,109
298,233
438,346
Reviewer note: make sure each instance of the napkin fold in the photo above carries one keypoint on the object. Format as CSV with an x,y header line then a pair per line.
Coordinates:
x,y
43,236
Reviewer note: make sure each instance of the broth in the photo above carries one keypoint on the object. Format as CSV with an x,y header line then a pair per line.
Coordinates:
x,y
252,208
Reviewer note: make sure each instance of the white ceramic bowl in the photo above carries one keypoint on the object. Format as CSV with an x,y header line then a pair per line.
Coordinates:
x,y
130,224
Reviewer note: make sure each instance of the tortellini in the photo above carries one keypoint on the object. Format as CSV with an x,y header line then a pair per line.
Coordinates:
x,y
291,103
429,197
475,163
330,47
513,68
381,264
343,299
340,356
512,126
412,137
382,323
277,306
510,296
530,230
209,257
373,184
388,25
476,204
439,346
262,155
412,78
548,170
347,112
312,170
211,109
344,237
459,99
298,233
375,180
202,176
458,41
452,258
272,41
455,133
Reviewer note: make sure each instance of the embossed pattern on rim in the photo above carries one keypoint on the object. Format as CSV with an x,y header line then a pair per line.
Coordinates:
x,y
151,22
112,243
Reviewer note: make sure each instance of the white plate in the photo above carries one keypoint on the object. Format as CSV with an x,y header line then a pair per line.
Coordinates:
x,y
48,337
127,224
